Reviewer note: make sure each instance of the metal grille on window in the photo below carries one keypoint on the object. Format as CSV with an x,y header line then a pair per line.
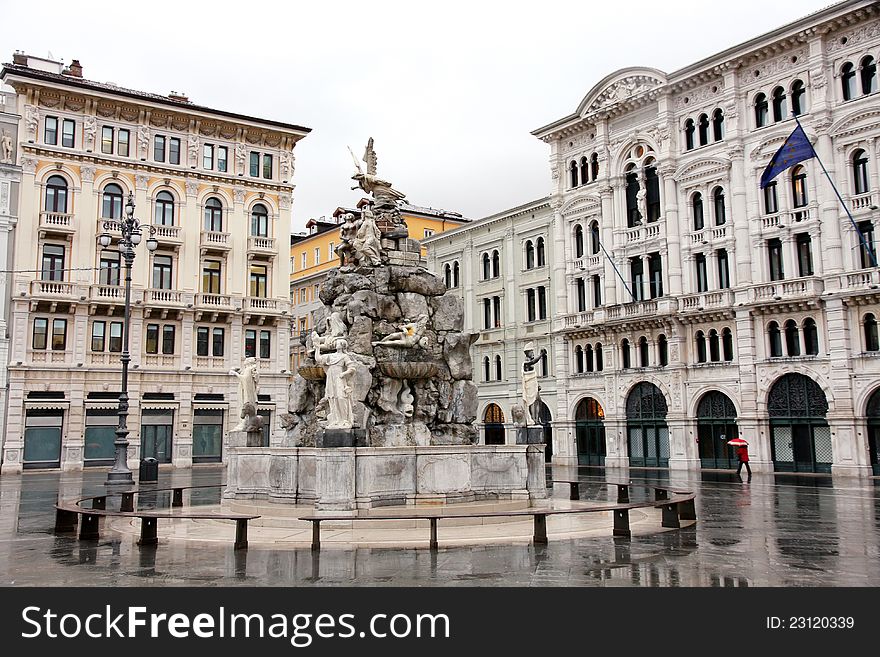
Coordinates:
x,y
822,444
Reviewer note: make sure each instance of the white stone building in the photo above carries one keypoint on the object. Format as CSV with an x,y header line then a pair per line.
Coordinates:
x,y
215,188
687,304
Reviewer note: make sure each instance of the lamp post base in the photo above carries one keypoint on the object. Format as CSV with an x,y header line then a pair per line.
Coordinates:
x,y
119,479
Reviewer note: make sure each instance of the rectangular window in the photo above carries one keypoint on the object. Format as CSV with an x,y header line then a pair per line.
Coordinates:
x,y
702,278
304,262
99,330
487,313
254,164
156,427
597,291
152,346
41,332
100,435
68,133
250,343
162,272
866,228
50,135
581,287
218,342
267,166
655,274
774,255
59,334
258,281
207,437
108,268
222,157
530,305
496,311
637,279
208,156
115,343
159,148
174,150
723,269
107,140
202,335
771,203
317,256
330,253
211,277
542,302
429,232
805,254
53,263
122,140
265,344
42,438
168,339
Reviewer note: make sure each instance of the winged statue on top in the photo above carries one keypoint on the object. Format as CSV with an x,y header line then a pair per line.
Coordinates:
x,y
381,190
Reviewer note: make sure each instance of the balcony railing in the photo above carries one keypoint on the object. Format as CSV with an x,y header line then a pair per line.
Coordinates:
x,y
160,360
861,280
793,289
260,303
717,299
108,293
579,319
636,309
862,201
261,244
165,297
48,356
59,221
215,240
214,300
167,233
59,289
210,362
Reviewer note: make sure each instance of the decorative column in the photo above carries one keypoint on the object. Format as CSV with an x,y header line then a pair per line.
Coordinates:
x,y
673,231
606,193
829,207
740,216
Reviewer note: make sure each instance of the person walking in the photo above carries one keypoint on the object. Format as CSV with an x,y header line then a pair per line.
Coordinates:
x,y
742,453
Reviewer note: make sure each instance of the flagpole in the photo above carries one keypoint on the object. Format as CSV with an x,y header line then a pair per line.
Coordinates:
x,y
864,243
617,271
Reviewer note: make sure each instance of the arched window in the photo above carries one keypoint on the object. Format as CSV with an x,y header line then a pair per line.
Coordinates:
x,y
643,351
703,129
697,202
164,210
799,186
573,173
111,202
848,81
718,124
259,221
701,347
487,369
594,166
578,241
594,237
792,341
455,270
775,337
662,351
718,202
496,264
498,374
625,355
860,172
633,216
689,135
599,363
869,75
798,97
539,252
780,107
214,215
585,171
56,195
579,359
447,275
493,419
872,337
530,255
652,188
811,337
588,355
761,110
714,351
727,344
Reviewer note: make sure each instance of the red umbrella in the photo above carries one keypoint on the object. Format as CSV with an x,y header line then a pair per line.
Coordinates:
x,y
738,442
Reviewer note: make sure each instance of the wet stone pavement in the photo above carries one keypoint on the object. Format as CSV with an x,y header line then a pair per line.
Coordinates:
x,y
776,530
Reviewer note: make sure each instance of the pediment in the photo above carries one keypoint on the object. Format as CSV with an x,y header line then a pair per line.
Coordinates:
x,y
856,122
580,204
621,85
710,167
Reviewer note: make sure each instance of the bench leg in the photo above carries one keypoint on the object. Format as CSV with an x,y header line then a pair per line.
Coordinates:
x,y
540,529
575,491
316,535
670,516
127,503
687,510
99,502
433,533
622,493
241,542
621,523
661,494
177,497
149,536
88,528
65,522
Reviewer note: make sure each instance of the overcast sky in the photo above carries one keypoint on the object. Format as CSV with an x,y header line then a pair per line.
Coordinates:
x,y
449,90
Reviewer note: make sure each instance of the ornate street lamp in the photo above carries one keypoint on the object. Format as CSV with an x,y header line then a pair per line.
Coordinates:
x,y
130,227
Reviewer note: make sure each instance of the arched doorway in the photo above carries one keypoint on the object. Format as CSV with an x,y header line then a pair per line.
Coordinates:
x,y
873,413
801,436
716,424
545,418
493,425
590,432
647,433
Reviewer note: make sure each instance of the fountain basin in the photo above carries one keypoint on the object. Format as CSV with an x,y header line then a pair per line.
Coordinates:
x,y
312,372
408,370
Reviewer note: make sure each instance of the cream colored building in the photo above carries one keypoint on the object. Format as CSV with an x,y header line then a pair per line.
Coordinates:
x,y
216,189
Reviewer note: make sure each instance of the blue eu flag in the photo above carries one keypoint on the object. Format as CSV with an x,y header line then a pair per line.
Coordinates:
x,y
796,148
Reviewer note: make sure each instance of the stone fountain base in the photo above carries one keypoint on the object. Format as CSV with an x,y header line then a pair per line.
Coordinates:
x,y
346,479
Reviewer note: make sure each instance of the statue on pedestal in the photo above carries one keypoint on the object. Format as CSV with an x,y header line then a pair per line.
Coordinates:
x,y
529,383
248,378
6,148
340,367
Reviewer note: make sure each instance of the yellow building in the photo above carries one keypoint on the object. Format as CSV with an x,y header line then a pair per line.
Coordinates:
x,y
312,256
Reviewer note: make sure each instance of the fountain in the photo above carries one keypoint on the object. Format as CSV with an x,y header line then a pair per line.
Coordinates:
x,y
382,412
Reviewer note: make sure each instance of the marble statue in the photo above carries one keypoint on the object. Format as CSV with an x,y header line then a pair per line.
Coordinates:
x,y
143,141
90,132
519,416
367,243
248,378
6,154
193,147
339,367
641,201
31,120
240,156
347,233
529,383
380,190
406,400
336,331
409,335
287,162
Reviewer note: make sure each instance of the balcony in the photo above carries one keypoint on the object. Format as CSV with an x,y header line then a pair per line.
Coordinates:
x,y
48,356
161,360
169,235
587,262
53,290
56,222
798,288
264,245
642,233
210,362
862,202
260,305
107,293
720,299
214,241
158,297
635,309
214,301
577,320
868,279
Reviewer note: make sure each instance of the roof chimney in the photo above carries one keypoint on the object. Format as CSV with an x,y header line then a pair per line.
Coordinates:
x,y
181,97
18,57
75,69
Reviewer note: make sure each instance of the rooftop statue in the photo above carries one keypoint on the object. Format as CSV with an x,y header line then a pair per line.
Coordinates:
x,y
383,194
